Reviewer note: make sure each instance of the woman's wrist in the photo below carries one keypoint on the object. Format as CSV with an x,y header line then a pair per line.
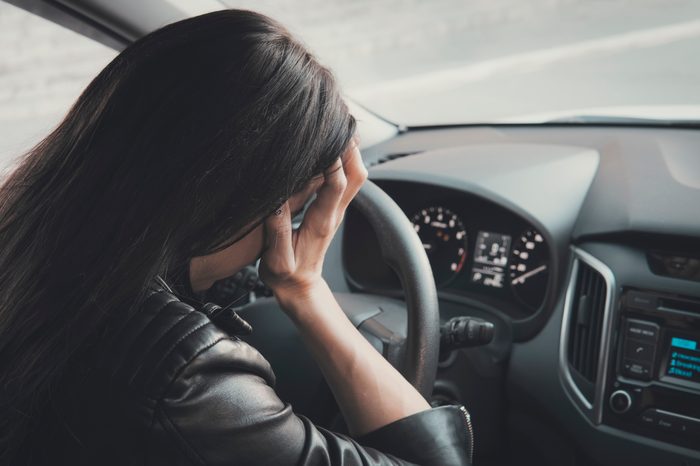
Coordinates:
x,y
301,300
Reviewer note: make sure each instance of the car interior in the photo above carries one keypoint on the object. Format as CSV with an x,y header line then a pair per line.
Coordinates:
x,y
564,258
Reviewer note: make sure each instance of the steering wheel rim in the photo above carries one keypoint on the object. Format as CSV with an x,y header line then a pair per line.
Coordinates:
x,y
403,251
416,355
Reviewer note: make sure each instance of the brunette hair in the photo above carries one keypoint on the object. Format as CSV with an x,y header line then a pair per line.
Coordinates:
x,y
187,136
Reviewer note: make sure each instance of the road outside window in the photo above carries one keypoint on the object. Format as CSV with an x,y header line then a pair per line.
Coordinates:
x,y
43,69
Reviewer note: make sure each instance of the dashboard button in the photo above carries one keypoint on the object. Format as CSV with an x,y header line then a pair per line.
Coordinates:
x,y
641,300
620,401
642,330
682,426
694,428
636,370
648,417
677,423
639,350
667,423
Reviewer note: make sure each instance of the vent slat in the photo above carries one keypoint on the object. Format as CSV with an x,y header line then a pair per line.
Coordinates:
x,y
593,292
584,329
600,306
586,322
583,319
390,157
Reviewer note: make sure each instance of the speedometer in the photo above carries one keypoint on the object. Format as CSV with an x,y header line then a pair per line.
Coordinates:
x,y
444,239
529,268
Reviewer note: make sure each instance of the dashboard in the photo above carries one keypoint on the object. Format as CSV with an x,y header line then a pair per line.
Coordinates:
x,y
582,244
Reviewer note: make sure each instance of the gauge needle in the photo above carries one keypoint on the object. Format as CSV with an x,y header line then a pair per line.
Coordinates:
x,y
427,246
529,274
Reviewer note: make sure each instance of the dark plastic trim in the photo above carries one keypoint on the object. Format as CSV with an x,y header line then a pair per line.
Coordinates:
x,y
69,18
691,125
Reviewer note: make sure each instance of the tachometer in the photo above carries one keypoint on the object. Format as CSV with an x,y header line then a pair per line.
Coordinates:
x,y
444,239
529,268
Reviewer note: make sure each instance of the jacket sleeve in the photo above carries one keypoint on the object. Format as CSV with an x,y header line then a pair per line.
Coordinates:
x,y
221,409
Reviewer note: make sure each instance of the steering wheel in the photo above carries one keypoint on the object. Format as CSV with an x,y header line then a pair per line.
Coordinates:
x,y
407,334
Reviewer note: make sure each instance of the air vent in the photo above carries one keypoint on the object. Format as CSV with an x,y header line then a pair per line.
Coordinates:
x,y
390,157
586,326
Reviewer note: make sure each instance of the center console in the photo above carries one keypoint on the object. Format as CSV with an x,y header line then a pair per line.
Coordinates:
x,y
653,388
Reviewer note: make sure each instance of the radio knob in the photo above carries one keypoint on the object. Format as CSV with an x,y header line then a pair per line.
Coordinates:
x,y
620,401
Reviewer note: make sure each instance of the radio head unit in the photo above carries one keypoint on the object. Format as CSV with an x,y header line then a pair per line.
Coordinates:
x,y
654,385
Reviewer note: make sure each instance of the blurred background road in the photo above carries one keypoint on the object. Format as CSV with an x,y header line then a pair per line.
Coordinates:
x,y
415,61
452,61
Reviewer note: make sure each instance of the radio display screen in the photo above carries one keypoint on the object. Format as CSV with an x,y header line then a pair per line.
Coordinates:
x,y
683,360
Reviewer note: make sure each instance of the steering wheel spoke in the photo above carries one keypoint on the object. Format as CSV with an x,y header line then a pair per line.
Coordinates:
x,y
384,328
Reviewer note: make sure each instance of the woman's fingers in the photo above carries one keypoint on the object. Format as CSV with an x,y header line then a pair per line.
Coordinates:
x,y
342,182
279,250
321,219
355,172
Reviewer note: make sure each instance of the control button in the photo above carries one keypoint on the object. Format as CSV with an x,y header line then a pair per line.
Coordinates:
x,y
677,423
639,351
646,301
637,370
665,422
648,417
694,427
682,426
620,401
642,330
640,300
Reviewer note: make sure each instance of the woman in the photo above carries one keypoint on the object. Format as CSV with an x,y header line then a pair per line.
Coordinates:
x,y
185,158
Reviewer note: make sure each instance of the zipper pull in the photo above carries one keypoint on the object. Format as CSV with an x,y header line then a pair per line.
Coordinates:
x,y
227,319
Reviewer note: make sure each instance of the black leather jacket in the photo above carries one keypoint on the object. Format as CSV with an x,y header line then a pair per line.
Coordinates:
x,y
171,388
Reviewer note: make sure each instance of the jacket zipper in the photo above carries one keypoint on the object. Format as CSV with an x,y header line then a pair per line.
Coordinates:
x,y
470,432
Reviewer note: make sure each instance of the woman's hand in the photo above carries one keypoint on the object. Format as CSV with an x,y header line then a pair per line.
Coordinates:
x,y
371,393
292,261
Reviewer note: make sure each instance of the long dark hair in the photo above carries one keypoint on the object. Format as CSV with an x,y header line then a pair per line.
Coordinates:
x,y
186,137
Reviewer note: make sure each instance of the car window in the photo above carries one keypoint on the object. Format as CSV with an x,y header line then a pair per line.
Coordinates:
x,y
43,69
420,62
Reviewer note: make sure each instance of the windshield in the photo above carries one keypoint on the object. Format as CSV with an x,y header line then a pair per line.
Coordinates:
x,y
418,62
454,61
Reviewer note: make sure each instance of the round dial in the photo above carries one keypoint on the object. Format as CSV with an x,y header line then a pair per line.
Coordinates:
x,y
529,268
445,241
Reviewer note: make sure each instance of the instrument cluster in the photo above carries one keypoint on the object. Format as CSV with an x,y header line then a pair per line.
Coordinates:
x,y
477,248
